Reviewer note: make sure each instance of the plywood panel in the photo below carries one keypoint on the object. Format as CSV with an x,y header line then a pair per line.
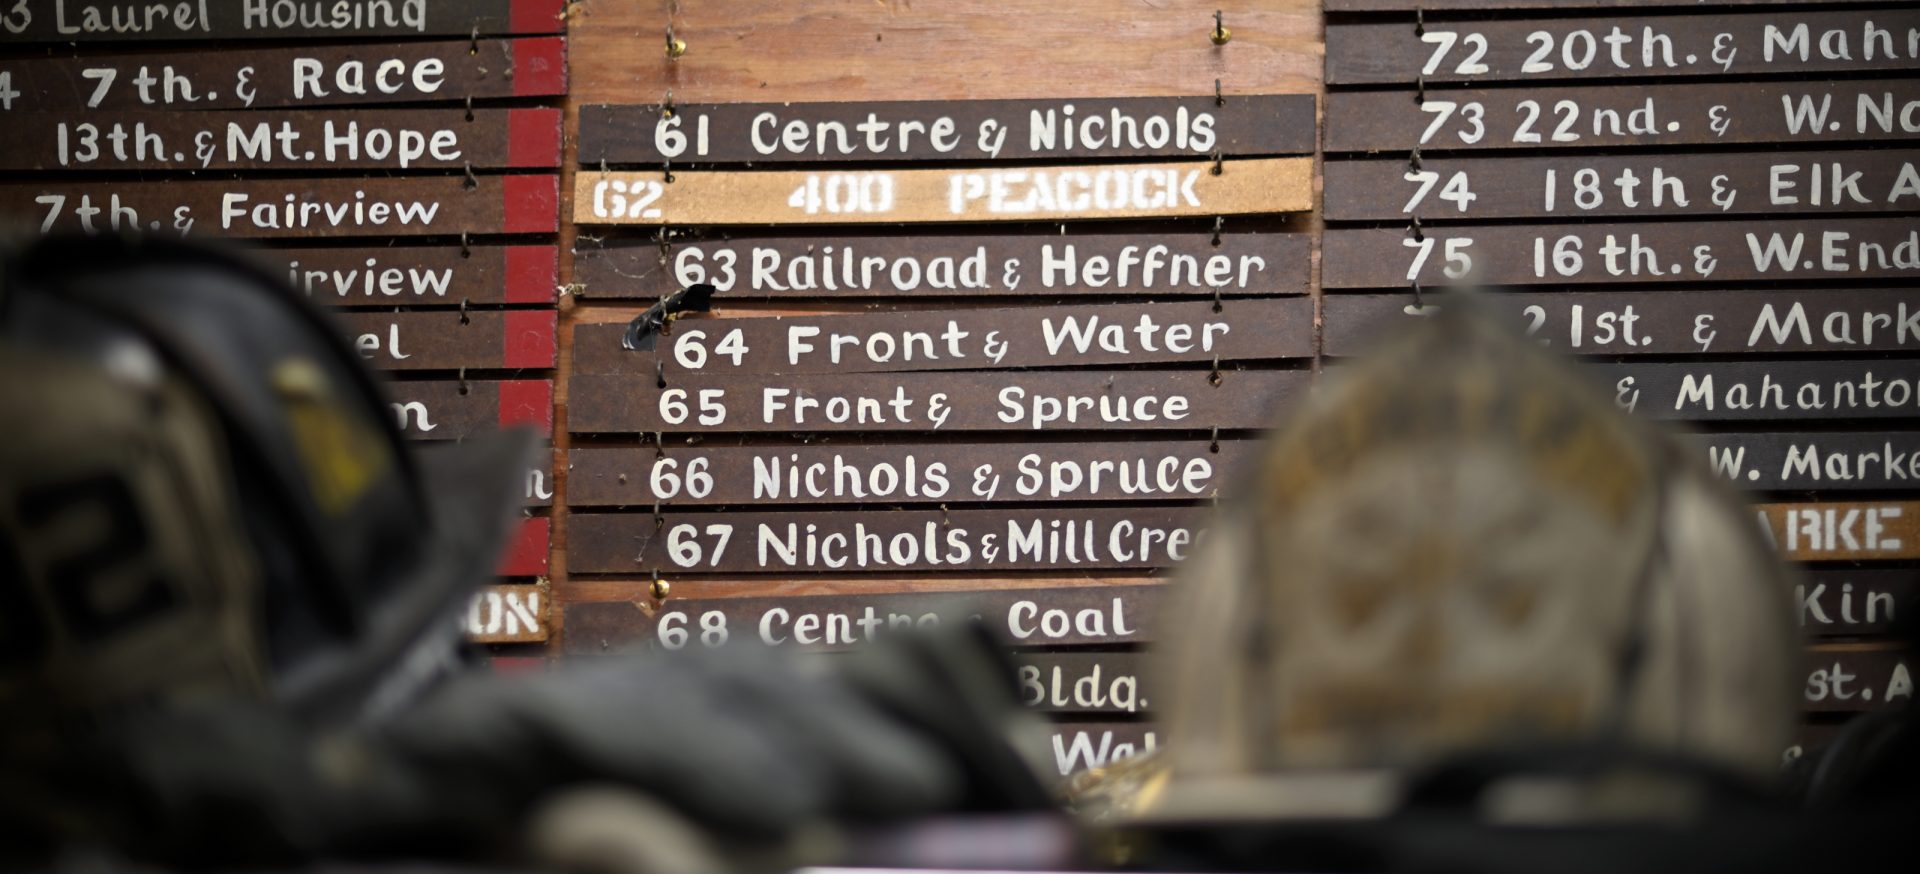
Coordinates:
x,y
758,51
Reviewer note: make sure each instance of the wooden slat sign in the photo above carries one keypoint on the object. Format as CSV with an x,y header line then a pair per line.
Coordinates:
x,y
1191,264
977,131
1844,531
1855,603
268,208
1791,43
512,340
1652,115
537,484
1086,615
295,140
1652,185
111,21
1078,746
420,276
1667,323
455,410
1837,679
380,73
1746,390
826,474
508,614
1250,186
1110,682
901,540
1851,680
1006,337
929,402
1567,254
1815,461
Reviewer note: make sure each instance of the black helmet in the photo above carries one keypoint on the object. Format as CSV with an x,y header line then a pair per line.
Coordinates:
x,y
202,491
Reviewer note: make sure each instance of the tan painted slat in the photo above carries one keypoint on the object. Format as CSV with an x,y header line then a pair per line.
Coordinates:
x,y
508,614
1087,191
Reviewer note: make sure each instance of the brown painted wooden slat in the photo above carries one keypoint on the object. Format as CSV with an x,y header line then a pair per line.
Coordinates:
x,y
948,265
1724,251
371,74
1248,186
1790,112
1754,390
419,276
1849,680
975,131
510,340
901,540
830,473
1856,603
922,340
292,140
1768,183
450,410
1111,682
1788,43
1084,615
106,21
302,208
1663,323
1822,461
933,402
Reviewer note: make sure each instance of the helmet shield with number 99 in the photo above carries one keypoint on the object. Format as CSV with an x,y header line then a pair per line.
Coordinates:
x,y
202,492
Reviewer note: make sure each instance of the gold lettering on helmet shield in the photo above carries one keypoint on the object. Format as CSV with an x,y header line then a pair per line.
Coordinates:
x,y
340,453
1564,436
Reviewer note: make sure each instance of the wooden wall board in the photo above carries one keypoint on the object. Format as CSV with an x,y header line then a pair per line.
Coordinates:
x,y
934,402
294,140
303,208
857,472
257,78
105,21
529,549
1051,193
420,276
960,339
756,52
947,264
976,131
1780,43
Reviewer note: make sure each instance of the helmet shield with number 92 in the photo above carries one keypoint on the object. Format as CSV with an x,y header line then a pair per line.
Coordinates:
x,y
202,492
